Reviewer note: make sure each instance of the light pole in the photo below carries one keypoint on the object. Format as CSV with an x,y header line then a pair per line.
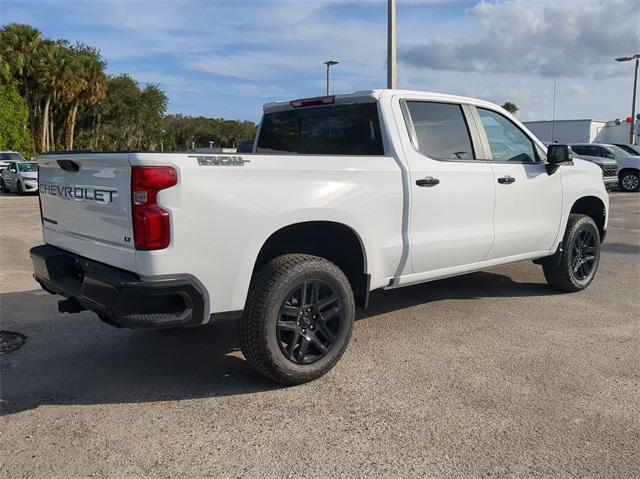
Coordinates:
x,y
391,45
632,131
329,64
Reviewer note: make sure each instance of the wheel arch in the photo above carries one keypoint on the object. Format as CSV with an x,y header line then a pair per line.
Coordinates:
x,y
628,169
332,240
593,207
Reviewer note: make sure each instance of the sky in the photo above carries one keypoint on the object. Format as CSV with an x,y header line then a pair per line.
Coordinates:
x,y
226,58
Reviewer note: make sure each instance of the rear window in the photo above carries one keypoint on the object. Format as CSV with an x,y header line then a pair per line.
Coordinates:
x,y
327,130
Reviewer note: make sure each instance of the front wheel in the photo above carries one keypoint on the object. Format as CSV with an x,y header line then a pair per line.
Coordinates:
x,y
298,319
574,265
629,181
20,188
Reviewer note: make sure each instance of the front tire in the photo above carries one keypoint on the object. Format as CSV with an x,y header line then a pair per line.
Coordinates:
x,y
21,189
574,265
629,181
298,319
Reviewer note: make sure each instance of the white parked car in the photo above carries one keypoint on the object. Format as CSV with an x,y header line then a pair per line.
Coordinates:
x,y
20,176
342,195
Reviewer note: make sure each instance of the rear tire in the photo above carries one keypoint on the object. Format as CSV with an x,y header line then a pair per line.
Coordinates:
x,y
629,181
3,187
574,265
298,319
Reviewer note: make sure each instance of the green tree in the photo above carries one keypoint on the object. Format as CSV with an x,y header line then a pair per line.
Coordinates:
x,y
19,47
71,102
14,117
510,107
86,85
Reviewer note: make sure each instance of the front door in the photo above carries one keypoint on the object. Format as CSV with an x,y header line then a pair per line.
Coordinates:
x,y
11,175
452,192
528,199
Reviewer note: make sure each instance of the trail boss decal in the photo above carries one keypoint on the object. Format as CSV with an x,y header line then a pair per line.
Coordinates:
x,y
79,193
220,160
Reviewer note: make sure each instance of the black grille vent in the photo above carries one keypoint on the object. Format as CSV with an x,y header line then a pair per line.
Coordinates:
x,y
609,170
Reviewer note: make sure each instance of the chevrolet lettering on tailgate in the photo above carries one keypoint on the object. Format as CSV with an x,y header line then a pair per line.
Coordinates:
x,y
79,193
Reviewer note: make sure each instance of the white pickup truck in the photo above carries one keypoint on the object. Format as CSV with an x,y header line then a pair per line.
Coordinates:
x,y
341,195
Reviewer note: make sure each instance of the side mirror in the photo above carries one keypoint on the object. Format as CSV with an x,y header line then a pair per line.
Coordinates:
x,y
558,155
611,156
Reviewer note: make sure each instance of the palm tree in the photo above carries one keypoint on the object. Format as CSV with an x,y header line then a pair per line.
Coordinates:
x,y
88,85
49,63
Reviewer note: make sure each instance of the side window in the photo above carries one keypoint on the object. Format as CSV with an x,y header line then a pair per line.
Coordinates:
x,y
12,167
578,149
593,151
605,153
441,130
507,141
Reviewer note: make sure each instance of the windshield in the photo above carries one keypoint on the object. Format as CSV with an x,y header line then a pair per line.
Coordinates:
x,y
28,166
11,157
619,151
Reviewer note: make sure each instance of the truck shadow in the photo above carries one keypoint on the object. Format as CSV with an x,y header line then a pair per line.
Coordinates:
x,y
79,360
470,286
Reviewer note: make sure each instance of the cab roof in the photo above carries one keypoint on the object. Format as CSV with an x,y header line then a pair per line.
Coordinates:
x,y
375,95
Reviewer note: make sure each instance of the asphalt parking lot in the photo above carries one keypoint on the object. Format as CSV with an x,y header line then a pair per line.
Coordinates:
x,y
487,375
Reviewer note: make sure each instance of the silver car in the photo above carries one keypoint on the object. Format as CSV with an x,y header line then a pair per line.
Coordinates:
x,y
20,176
602,157
633,150
628,165
7,157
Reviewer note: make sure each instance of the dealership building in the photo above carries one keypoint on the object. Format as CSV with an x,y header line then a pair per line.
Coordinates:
x,y
581,131
566,131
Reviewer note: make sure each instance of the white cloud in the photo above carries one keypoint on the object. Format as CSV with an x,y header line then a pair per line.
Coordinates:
x,y
569,39
227,57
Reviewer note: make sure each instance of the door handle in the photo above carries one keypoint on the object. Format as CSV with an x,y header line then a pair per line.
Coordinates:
x,y
506,180
428,181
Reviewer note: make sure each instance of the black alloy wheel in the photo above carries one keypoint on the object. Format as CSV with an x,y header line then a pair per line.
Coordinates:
x,y
298,318
583,254
574,265
309,322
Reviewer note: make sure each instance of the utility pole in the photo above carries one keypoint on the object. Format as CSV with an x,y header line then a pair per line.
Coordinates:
x,y
632,127
553,117
391,45
329,64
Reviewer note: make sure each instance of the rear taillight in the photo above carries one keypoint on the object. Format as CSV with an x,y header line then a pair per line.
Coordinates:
x,y
151,223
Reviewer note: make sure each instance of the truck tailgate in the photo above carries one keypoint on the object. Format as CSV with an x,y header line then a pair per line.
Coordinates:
x,y
86,206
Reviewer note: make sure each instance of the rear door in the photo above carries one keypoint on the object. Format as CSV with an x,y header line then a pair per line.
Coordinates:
x,y
86,206
452,191
528,200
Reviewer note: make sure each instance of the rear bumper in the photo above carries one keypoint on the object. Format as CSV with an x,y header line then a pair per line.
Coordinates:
x,y
120,297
